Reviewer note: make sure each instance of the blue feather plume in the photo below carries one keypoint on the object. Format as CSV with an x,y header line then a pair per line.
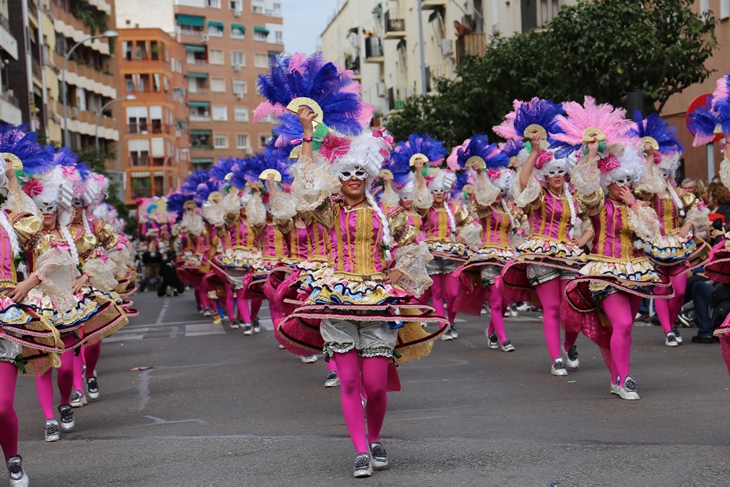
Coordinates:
x,y
661,131
204,189
479,146
512,147
190,186
462,179
419,143
36,158
221,169
539,112
175,203
702,122
721,103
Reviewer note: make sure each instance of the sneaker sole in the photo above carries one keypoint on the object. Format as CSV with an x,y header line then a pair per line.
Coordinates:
x,y
628,396
66,427
508,349
332,383
493,346
363,473
559,373
93,396
51,439
248,333
671,344
572,365
380,464
446,338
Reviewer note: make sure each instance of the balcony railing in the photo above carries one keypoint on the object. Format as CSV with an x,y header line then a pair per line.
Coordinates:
x,y
10,99
197,61
139,161
199,118
373,47
141,193
148,128
397,97
191,32
4,22
197,90
470,45
37,68
273,13
395,24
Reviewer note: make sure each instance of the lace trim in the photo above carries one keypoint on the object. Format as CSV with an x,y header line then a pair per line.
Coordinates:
x,y
411,261
485,192
725,171
422,197
586,177
644,222
531,192
313,183
471,235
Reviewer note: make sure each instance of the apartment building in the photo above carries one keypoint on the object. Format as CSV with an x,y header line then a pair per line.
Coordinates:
x,y
9,104
90,72
697,160
380,40
153,152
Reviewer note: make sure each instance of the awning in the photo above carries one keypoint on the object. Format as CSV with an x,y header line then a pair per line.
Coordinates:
x,y
401,44
199,104
194,48
197,75
192,20
140,174
274,53
202,160
199,132
215,23
261,30
239,27
435,14
378,10
352,31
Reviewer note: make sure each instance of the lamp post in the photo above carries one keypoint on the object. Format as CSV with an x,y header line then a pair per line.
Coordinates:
x,y
98,114
109,33
164,165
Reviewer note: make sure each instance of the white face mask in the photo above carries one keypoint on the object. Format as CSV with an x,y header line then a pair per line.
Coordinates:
x,y
624,181
357,173
48,208
557,172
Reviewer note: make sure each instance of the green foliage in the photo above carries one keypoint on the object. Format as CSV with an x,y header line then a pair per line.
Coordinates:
x,y
603,49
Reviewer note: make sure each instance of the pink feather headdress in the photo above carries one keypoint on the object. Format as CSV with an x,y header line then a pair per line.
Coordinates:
x,y
610,123
506,129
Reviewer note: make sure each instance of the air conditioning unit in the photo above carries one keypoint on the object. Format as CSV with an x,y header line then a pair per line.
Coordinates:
x,y
75,112
447,47
239,96
237,12
236,67
381,89
204,38
248,150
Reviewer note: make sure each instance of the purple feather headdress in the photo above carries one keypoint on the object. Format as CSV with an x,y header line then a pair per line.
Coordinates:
x,y
713,118
190,186
537,112
202,192
478,146
221,169
36,158
332,89
659,131
249,170
176,204
418,143
721,103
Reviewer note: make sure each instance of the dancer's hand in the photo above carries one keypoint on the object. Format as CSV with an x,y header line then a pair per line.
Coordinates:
x,y
626,196
583,240
535,140
418,163
79,283
649,150
394,276
685,229
306,118
592,150
21,290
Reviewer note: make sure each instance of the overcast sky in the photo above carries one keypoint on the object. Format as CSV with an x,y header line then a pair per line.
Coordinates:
x,y
304,21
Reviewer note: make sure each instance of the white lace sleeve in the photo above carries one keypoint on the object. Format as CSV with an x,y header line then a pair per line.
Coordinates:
x,y
485,192
255,210
699,218
411,261
389,197
283,205
725,172
313,183
101,274
531,192
471,235
55,269
21,202
644,222
652,181
422,197
214,213
231,203
586,177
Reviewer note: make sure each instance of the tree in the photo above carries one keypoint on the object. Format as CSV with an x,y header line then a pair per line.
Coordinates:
x,y
603,49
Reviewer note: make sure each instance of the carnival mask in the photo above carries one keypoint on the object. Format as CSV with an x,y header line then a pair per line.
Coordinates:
x,y
357,172
623,181
48,208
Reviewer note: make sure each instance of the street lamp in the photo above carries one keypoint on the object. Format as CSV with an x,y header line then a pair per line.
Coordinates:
x,y
109,33
164,164
98,114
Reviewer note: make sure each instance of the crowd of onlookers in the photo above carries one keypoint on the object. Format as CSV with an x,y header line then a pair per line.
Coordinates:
x,y
707,303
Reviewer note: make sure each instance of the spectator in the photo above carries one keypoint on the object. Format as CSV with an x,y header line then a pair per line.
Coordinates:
x,y
171,284
719,200
690,186
701,190
716,179
711,306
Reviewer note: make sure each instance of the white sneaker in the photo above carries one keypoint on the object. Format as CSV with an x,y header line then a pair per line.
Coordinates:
x,y
492,340
309,359
67,417
677,336
670,340
628,391
363,465
18,478
77,399
507,346
207,312
281,346
332,380
247,329
614,389
234,324
524,307
558,368
513,312
377,453
571,357
52,432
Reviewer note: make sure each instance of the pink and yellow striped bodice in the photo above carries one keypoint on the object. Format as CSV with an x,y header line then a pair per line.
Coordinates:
x,y
668,213
240,236
436,226
273,246
551,219
298,243
614,239
321,245
496,227
356,242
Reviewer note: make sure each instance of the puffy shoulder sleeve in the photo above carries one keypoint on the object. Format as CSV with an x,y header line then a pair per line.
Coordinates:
x,y
313,183
402,233
696,210
105,235
26,225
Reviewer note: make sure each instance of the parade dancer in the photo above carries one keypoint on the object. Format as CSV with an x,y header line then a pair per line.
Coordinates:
x,y
681,216
605,297
552,253
441,221
491,202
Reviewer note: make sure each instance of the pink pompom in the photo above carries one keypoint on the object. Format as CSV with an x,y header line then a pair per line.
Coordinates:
x,y
33,188
543,157
608,164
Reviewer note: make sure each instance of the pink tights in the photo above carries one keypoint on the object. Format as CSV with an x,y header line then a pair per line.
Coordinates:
x,y
201,296
8,417
551,295
621,308
374,377
496,306
445,287
255,307
44,383
89,356
668,309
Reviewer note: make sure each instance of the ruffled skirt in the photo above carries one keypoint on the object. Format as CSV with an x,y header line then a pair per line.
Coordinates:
x,y
449,250
563,258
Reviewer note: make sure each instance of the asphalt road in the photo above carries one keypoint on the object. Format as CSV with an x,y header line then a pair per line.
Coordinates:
x,y
223,409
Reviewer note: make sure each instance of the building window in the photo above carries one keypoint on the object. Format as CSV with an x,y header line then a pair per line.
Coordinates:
x,y
218,85
261,60
237,32
215,30
214,3
139,152
235,4
216,56
264,139
279,37
237,58
220,141
220,113
260,35
276,10
242,141
239,87
257,6
129,83
241,115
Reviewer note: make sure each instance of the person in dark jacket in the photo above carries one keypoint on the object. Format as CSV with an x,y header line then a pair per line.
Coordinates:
x,y
170,282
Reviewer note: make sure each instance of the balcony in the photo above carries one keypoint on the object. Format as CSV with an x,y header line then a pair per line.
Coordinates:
x,y
397,97
10,109
148,128
395,24
106,81
470,45
199,118
373,50
197,61
141,193
139,161
37,68
433,4
433,72
273,13
7,41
